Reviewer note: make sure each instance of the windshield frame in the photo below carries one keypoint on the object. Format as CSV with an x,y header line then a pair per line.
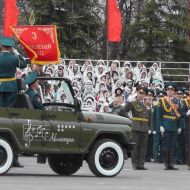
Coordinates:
x,y
68,82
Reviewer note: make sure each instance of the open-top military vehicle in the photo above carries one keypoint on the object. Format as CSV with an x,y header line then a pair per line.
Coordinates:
x,y
62,133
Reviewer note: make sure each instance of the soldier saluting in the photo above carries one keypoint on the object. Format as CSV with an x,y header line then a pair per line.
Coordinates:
x,y
168,115
8,64
10,59
140,126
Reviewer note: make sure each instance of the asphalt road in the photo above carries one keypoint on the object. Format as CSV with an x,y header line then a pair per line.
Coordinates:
x,y
40,177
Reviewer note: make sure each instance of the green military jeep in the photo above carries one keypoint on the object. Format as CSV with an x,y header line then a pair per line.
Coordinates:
x,y
62,133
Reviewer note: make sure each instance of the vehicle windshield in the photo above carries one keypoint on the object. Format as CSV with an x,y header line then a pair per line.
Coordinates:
x,y
55,91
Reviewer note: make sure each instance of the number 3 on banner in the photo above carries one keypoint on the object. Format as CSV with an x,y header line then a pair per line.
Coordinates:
x,y
34,37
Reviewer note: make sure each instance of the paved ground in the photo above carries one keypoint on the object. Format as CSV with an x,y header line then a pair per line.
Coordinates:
x,y
40,177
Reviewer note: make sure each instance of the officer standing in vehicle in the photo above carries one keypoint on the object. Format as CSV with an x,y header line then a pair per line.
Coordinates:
x,y
8,64
168,115
10,60
140,126
32,82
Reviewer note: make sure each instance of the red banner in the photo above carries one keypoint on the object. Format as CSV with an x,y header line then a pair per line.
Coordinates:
x,y
114,22
39,42
11,17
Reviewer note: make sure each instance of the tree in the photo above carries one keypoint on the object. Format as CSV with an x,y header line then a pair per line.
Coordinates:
x,y
157,30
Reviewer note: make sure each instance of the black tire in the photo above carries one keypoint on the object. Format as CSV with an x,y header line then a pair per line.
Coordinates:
x,y
6,156
63,165
106,158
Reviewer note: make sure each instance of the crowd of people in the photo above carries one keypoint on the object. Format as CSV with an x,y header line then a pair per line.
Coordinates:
x,y
99,85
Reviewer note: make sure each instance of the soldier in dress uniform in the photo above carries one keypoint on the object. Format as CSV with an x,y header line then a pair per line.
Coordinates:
x,y
185,112
168,116
32,82
179,153
149,104
10,59
140,126
157,146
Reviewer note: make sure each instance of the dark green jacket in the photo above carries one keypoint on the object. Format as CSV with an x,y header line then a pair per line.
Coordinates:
x,y
139,110
35,98
155,123
8,64
162,116
184,118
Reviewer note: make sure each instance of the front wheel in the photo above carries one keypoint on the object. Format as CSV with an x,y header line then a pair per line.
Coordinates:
x,y
6,156
64,165
106,158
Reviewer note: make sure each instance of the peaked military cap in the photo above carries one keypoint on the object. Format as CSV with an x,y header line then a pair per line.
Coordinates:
x,y
31,78
7,41
161,93
170,85
142,88
150,92
179,91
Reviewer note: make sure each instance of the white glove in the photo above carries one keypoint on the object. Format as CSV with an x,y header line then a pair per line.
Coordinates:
x,y
179,131
188,113
154,132
162,130
15,51
149,132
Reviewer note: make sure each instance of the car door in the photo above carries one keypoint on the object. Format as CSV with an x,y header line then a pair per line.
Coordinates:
x,y
61,114
67,129
33,130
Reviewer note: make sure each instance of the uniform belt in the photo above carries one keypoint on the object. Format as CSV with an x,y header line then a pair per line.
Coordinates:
x,y
7,79
170,117
139,119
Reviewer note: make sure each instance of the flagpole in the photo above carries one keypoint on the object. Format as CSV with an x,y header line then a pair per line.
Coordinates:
x,y
107,52
107,43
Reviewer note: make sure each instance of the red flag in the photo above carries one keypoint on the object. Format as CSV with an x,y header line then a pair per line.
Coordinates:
x,y
11,17
39,42
114,22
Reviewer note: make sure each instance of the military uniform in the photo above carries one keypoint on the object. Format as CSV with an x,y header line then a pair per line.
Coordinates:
x,y
168,114
157,145
8,64
140,127
183,137
34,96
149,104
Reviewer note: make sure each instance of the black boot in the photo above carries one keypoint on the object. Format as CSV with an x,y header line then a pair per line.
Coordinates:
x,y
166,159
16,162
170,158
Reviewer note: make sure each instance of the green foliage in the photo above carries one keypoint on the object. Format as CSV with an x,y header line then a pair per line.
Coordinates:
x,y
159,31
